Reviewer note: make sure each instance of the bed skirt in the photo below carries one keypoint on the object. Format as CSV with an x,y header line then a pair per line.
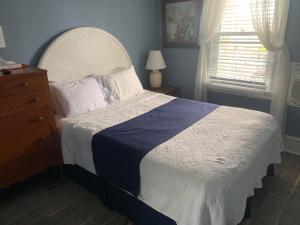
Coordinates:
x,y
124,203
116,199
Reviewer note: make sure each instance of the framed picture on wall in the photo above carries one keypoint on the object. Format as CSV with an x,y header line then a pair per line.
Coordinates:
x,y
180,20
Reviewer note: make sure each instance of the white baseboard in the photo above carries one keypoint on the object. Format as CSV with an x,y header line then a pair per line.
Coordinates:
x,y
292,152
292,145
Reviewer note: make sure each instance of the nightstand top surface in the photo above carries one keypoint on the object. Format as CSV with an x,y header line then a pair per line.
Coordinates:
x,y
24,71
162,89
168,90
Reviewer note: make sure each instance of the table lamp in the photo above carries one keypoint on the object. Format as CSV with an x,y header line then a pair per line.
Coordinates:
x,y
155,62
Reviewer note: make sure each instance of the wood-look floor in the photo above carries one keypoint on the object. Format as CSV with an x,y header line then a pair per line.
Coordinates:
x,y
43,200
278,202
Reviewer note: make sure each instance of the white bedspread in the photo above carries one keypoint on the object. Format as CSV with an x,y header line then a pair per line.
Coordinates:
x,y
203,175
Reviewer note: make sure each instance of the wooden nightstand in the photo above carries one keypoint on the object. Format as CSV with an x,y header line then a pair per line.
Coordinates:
x,y
167,90
28,135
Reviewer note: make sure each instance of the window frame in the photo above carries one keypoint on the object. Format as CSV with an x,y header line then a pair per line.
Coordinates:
x,y
245,88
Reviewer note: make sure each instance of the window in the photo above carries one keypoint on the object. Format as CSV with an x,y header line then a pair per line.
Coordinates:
x,y
238,57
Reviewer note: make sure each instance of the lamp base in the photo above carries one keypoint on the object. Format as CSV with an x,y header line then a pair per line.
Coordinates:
x,y
155,79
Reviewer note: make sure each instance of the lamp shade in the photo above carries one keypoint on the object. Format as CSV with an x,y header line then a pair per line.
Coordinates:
x,y
155,60
2,41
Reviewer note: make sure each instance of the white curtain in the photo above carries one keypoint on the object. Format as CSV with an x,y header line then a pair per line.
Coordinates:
x,y
271,29
210,19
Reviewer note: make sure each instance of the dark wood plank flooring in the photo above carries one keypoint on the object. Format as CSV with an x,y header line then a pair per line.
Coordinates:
x,y
278,202
44,200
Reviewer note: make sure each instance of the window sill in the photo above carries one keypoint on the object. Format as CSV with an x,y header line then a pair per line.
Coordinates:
x,y
241,91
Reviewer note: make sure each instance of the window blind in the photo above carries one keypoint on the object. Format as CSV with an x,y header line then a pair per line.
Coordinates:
x,y
238,57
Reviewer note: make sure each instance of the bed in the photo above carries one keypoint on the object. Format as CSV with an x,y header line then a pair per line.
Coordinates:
x,y
203,175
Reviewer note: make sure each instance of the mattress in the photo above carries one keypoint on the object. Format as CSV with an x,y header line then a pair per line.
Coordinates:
x,y
204,174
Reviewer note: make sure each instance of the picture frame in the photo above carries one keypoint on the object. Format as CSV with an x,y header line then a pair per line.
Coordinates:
x,y
180,23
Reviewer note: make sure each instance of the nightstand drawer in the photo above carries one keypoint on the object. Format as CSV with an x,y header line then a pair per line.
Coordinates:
x,y
12,103
24,123
22,84
19,146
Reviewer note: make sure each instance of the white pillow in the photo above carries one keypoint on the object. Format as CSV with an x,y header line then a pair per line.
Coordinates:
x,y
123,84
57,108
104,88
78,97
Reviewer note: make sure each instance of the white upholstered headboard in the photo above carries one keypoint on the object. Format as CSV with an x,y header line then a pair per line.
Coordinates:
x,y
83,51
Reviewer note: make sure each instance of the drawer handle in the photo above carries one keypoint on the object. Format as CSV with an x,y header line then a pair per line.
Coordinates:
x,y
39,119
36,99
44,138
25,84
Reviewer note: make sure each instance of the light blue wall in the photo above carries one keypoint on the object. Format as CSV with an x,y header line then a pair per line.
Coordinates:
x,y
221,98
182,63
181,69
293,30
29,26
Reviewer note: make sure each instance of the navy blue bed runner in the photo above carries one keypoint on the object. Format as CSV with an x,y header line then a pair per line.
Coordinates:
x,y
119,150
